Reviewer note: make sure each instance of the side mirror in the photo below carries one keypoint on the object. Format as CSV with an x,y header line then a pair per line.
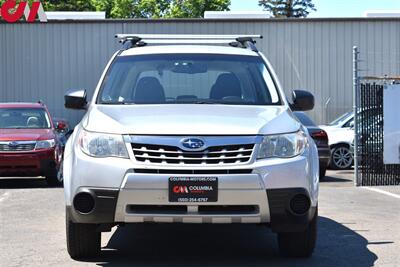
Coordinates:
x,y
351,125
302,100
75,99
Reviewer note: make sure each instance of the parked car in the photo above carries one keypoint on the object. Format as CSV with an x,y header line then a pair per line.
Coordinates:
x,y
321,140
341,135
28,142
190,134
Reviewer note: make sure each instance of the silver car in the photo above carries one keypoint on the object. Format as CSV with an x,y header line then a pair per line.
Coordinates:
x,y
190,129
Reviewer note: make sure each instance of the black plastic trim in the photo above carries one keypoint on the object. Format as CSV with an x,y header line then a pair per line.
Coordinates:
x,y
282,219
182,171
104,210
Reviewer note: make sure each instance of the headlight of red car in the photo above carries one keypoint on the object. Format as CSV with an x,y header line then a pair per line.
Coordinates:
x,y
43,144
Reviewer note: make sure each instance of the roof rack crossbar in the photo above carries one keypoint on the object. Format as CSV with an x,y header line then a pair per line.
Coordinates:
x,y
188,36
135,40
248,42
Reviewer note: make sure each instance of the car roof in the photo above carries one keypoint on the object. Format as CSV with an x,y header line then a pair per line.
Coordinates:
x,y
188,49
21,105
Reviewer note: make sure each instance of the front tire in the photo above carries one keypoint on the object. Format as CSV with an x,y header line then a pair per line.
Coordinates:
x,y
83,241
55,177
52,180
299,244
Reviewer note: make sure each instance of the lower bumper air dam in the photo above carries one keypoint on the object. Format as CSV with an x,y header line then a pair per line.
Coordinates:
x,y
94,206
290,209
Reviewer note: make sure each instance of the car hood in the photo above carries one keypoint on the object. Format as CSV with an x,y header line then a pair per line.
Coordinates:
x,y
25,134
190,119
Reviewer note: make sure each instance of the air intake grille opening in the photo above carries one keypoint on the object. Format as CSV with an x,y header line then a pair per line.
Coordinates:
x,y
230,209
164,171
156,209
161,154
202,209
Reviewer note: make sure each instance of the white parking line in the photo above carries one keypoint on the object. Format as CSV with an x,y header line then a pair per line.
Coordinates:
x,y
382,192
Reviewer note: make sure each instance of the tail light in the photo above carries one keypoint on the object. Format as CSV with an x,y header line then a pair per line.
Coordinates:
x,y
320,134
320,137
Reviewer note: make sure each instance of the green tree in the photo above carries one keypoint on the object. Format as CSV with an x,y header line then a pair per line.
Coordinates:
x,y
68,5
288,8
159,8
151,8
63,5
196,8
139,8
133,8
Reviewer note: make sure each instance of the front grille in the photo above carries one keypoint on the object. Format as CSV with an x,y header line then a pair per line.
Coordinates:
x,y
18,147
229,209
202,209
217,155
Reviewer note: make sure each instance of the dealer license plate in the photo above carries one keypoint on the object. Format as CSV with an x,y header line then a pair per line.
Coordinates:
x,y
193,189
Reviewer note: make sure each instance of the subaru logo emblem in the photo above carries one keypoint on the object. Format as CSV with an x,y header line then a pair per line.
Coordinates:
x,y
13,144
193,143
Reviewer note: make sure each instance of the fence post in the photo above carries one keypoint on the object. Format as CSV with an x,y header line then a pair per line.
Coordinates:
x,y
355,109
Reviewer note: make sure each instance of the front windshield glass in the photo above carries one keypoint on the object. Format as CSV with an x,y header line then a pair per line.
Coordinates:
x,y
342,119
188,79
24,118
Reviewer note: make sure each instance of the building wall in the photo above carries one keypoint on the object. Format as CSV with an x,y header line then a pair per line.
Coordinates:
x,y
42,61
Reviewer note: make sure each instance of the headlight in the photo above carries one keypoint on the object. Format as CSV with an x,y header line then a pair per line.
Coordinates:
x,y
43,144
283,145
102,145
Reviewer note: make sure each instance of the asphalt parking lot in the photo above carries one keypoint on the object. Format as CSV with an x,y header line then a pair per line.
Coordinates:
x,y
357,227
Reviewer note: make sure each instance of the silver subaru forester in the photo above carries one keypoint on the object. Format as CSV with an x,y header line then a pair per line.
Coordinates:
x,y
190,129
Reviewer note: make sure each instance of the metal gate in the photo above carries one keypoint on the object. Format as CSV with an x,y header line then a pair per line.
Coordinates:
x,y
370,169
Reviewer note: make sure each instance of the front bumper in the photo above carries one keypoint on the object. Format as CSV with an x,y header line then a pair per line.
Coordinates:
x,y
245,191
260,196
276,203
32,163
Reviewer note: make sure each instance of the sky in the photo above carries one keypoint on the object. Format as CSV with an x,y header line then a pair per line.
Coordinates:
x,y
330,8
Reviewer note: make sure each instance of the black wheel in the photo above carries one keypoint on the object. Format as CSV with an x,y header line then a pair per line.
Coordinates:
x,y
55,177
341,158
299,244
83,241
322,172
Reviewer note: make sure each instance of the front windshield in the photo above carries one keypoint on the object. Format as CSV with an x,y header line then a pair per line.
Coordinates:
x,y
24,118
342,119
188,79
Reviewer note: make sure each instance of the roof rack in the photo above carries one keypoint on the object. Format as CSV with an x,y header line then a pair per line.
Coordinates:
x,y
137,40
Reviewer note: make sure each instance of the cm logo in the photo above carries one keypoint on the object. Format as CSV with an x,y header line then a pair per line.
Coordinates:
x,y
12,12
180,189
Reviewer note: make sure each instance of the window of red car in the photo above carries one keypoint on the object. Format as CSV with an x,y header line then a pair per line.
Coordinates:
x,y
24,118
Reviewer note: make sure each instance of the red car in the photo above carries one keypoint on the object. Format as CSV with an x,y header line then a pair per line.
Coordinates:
x,y
29,144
